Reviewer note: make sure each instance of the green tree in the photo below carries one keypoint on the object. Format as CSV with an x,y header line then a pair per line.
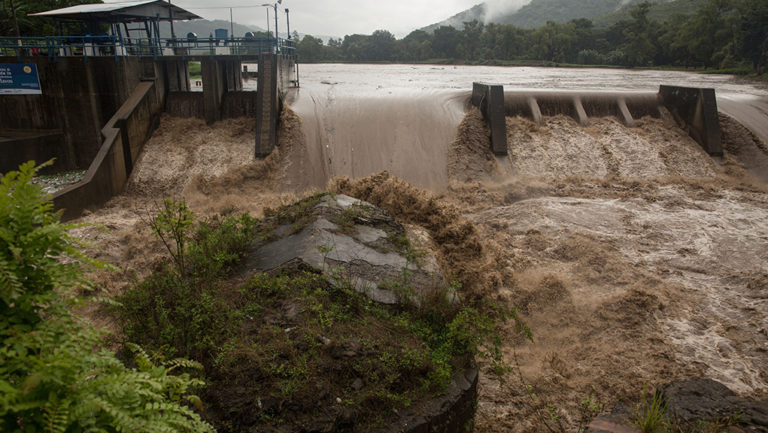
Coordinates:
x,y
445,41
310,49
55,375
640,46
32,26
381,46
417,45
356,48
752,34
553,42
710,32
673,48
471,40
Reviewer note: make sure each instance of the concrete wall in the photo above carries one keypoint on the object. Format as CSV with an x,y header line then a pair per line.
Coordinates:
x,y
239,104
191,104
124,136
696,111
276,74
21,145
286,72
490,99
78,98
220,76
185,104
267,105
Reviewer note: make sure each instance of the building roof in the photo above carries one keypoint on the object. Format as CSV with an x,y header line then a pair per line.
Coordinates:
x,y
121,11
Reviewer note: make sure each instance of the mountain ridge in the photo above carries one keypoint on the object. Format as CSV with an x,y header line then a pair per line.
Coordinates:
x,y
536,13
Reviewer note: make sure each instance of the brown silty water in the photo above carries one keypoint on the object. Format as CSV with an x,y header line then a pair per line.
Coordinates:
x,y
634,257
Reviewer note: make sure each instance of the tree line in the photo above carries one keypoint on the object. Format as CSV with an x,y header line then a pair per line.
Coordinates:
x,y
720,34
15,19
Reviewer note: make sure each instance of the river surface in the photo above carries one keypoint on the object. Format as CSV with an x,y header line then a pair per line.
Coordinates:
x,y
360,119
381,79
635,257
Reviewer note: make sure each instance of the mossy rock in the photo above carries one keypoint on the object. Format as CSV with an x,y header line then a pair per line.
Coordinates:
x,y
352,240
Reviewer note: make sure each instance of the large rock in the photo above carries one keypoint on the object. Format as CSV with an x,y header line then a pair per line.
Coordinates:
x,y
354,242
702,399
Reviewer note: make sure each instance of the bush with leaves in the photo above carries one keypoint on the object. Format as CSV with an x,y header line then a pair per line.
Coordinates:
x,y
55,374
174,310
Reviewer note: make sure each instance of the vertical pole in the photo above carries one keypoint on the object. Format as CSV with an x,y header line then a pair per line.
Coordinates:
x,y
170,18
231,26
288,22
277,38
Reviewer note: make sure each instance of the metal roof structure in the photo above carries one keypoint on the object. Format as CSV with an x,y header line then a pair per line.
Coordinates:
x,y
134,11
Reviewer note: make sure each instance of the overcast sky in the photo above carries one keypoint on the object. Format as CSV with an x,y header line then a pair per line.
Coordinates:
x,y
335,17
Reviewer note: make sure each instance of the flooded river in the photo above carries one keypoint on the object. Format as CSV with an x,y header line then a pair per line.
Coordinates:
x,y
634,256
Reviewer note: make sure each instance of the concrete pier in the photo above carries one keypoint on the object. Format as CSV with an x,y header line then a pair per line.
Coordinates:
x,y
490,99
267,106
694,109
219,77
276,74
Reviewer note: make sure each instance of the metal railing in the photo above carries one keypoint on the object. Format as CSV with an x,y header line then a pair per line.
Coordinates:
x,y
107,45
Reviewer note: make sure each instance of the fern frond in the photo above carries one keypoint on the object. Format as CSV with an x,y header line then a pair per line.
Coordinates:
x,y
10,287
56,417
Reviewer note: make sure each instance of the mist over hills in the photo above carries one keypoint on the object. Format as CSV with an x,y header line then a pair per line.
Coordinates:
x,y
535,13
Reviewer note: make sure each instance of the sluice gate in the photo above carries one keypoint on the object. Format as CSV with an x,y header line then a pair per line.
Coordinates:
x,y
694,109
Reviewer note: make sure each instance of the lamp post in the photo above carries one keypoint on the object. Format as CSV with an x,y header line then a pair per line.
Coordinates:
x,y
274,5
268,31
288,23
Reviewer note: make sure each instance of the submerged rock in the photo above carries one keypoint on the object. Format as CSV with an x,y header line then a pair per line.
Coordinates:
x,y
353,242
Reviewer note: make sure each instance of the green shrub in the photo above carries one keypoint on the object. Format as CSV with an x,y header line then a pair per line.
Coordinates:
x,y
174,310
55,375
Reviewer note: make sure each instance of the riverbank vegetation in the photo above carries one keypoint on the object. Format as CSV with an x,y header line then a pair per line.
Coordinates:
x,y
720,34
56,373
295,348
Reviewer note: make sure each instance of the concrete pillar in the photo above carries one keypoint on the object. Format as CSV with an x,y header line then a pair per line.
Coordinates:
x,y
176,75
214,87
626,116
581,114
267,105
490,99
695,109
234,81
708,122
533,105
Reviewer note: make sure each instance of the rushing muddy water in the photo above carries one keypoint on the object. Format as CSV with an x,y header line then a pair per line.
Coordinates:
x,y
634,256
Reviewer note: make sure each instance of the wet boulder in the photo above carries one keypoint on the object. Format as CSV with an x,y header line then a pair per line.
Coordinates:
x,y
352,242
701,399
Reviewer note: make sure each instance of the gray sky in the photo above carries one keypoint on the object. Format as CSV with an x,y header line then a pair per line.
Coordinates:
x,y
336,17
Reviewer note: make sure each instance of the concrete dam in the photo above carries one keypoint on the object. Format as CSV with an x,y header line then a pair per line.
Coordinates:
x,y
629,234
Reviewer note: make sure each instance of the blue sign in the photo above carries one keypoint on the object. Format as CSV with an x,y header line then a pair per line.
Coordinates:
x,y
19,79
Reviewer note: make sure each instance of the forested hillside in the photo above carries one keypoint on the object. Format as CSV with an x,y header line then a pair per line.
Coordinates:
x,y
536,13
719,34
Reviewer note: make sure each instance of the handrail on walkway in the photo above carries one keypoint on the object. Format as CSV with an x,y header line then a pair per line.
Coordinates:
x,y
109,45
